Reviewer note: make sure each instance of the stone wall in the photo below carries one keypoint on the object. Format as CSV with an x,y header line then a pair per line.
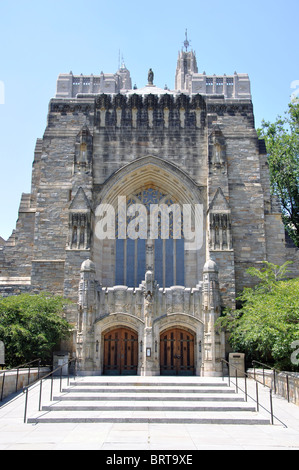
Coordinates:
x,y
286,383
14,382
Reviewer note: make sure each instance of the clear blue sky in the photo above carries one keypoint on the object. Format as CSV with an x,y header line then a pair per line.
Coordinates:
x,y
40,39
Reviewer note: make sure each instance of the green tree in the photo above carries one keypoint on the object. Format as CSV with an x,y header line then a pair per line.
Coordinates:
x,y
282,142
267,324
31,326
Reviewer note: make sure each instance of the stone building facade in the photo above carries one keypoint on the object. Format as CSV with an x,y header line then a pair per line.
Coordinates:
x,y
142,304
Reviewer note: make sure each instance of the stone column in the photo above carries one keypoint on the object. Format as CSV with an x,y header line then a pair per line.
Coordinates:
x,y
213,341
149,365
86,317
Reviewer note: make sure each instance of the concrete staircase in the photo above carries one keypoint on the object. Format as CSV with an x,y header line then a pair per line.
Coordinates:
x,y
174,400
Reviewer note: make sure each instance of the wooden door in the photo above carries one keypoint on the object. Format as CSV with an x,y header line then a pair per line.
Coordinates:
x,y
120,352
177,352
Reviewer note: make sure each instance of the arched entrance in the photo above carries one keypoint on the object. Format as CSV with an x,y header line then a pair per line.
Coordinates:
x,y
120,352
177,352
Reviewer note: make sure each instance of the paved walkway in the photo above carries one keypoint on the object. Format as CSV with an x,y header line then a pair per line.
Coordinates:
x,y
15,435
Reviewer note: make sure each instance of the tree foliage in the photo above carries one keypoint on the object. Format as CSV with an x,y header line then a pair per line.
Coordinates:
x,y
282,142
31,326
267,324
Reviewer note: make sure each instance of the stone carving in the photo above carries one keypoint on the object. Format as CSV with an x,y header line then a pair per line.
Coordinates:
x,y
217,148
83,147
148,309
150,77
220,232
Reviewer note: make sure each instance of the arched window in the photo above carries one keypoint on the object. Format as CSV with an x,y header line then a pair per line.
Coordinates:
x,y
168,242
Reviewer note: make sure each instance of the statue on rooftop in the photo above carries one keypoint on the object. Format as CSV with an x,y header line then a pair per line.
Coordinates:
x,y
150,77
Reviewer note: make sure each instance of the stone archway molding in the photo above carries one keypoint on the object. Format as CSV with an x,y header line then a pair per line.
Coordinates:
x,y
113,321
151,170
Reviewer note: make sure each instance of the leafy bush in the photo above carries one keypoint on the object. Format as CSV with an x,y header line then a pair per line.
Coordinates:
x,y
267,324
31,326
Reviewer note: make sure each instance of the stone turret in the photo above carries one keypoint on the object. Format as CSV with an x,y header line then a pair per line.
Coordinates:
x,y
186,65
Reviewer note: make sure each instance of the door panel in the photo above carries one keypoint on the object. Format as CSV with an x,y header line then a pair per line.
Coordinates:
x,y
177,352
120,352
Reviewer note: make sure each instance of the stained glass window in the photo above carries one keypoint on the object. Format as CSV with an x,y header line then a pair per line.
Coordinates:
x,y
130,262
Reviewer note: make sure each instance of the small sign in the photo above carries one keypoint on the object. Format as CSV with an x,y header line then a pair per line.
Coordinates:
x,y
2,353
148,352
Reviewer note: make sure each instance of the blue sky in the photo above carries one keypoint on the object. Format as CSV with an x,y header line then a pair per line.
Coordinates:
x,y
40,39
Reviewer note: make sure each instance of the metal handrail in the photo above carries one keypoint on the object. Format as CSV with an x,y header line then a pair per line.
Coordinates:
x,y
22,366
288,374
40,381
256,400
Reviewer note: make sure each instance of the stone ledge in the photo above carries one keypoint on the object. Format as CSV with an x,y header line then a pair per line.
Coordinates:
x,y
15,281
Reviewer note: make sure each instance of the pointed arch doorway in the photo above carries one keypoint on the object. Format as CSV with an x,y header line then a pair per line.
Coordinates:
x,y
177,352
120,352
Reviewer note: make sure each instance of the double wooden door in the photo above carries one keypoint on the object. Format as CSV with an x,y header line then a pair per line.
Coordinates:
x,y
120,352
177,352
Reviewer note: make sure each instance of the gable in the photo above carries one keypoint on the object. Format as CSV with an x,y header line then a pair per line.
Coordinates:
x,y
80,203
219,202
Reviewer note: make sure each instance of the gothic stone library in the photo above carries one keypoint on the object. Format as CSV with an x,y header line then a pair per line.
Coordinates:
x,y
146,305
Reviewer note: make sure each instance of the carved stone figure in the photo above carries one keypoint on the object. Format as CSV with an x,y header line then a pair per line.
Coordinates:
x,y
148,310
150,77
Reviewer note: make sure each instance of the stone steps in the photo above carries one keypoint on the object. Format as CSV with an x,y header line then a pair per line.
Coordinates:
x,y
143,390
153,397
149,417
149,401
147,406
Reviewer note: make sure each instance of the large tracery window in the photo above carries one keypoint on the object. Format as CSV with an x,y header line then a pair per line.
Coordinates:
x,y
130,257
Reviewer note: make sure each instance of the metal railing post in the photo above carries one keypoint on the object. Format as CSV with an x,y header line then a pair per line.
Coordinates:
x,y
2,388
257,383
28,375
271,406
26,404
40,395
26,389
17,380
60,388
288,388
51,391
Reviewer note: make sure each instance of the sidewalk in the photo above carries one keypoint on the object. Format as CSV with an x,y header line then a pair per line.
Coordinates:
x,y
15,435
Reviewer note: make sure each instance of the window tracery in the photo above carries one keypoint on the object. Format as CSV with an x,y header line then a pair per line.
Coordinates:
x,y
131,254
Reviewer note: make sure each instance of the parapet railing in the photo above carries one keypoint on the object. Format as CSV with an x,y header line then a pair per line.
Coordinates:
x,y
23,366
275,380
238,373
40,382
